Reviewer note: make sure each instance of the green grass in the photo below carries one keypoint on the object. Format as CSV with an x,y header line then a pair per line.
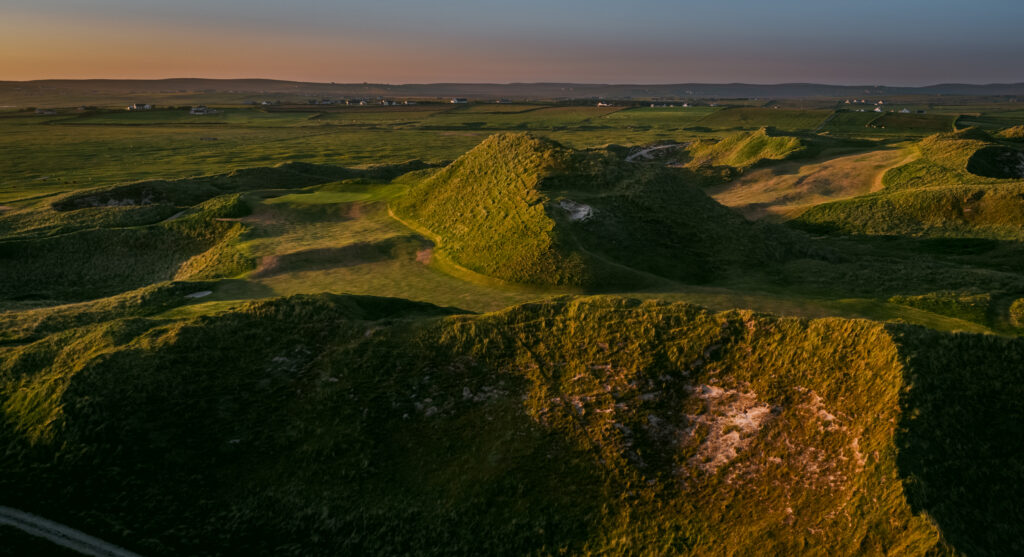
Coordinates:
x,y
745,149
326,420
755,118
338,421
228,116
500,211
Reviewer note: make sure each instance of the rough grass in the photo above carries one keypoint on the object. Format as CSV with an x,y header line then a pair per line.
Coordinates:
x,y
947,191
744,149
577,425
500,210
971,305
755,118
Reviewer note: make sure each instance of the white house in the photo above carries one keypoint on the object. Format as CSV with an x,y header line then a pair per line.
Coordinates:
x,y
905,111
459,100
136,106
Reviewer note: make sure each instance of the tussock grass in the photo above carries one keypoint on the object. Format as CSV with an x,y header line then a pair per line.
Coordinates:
x,y
572,425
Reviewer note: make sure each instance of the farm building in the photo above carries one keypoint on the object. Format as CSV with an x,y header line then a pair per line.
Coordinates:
x,y
46,112
459,100
199,110
137,106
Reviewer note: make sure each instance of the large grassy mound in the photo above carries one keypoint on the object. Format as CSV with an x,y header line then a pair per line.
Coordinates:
x,y
960,185
342,425
528,210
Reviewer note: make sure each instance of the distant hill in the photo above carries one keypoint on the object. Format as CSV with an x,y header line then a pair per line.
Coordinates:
x,y
97,88
528,210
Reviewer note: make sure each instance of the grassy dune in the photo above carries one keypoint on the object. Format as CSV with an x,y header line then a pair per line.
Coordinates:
x,y
661,428
960,185
527,210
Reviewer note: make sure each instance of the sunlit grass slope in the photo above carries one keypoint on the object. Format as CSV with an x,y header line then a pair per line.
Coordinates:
x,y
961,185
356,425
527,210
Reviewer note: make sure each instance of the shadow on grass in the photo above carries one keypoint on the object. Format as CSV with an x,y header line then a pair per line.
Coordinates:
x,y
961,438
359,253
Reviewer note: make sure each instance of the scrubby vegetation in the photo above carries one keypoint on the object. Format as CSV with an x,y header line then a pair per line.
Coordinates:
x,y
584,426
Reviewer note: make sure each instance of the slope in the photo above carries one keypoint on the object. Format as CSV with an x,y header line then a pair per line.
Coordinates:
x,y
351,425
528,210
962,185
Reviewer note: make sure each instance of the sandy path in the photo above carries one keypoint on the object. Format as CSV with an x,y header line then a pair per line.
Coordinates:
x,y
646,153
60,534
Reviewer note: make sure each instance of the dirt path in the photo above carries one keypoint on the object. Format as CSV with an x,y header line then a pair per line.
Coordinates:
x,y
646,153
60,534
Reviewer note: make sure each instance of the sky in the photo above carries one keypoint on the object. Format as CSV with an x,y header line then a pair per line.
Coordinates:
x,y
857,42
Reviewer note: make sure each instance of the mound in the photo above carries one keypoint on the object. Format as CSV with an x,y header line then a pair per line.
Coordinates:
x,y
995,212
315,425
1015,133
745,149
528,210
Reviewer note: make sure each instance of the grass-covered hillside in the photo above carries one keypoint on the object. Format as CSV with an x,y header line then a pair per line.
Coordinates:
x,y
325,425
528,210
962,184
101,241
745,149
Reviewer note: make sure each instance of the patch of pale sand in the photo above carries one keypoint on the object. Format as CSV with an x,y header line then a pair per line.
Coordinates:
x,y
200,294
577,211
731,418
425,256
784,190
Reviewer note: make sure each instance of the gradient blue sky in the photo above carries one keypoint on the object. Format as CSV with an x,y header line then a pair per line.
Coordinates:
x,y
894,42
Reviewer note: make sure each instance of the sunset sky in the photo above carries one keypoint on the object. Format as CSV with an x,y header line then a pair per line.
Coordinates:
x,y
893,42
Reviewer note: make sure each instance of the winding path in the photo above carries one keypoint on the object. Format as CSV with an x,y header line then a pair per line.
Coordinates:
x,y
646,153
61,535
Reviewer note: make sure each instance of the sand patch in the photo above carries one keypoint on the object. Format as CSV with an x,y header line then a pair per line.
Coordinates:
x,y
578,212
729,422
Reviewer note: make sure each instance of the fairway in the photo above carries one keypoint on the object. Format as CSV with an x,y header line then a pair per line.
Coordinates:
x,y
784,190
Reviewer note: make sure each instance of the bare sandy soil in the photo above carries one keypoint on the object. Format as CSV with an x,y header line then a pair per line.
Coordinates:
x,y
783,191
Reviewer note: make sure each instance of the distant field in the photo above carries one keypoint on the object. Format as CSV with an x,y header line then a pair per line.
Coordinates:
x,y
495,108
231,116
660,118
752,118
922,123
543,118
